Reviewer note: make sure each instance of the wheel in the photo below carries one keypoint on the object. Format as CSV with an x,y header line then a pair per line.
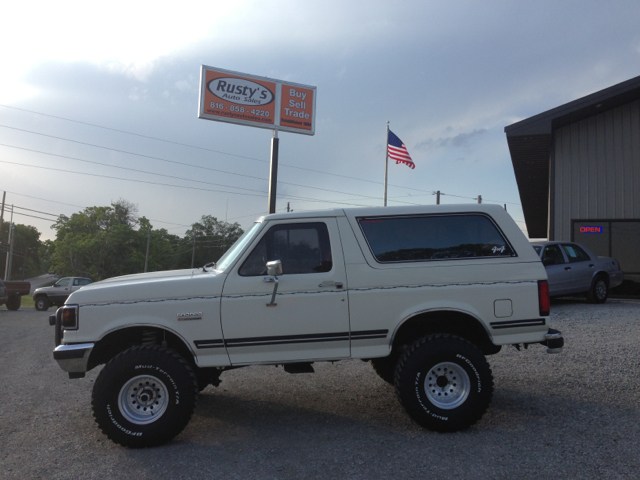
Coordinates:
x,y
144,396
14,302
444,383
385,367
42,304
599,290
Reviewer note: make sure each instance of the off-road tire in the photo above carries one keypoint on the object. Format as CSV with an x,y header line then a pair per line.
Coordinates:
x,y
453,370
133,383
14,301
42,304
599,290
385,367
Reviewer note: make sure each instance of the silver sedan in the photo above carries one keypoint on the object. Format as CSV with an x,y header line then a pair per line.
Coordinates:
x,y
573,268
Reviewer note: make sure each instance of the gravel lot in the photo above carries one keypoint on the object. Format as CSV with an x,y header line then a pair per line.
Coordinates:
x,y
573,415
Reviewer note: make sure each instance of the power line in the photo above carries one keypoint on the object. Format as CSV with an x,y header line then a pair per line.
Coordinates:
x,y
281,164
162,160
37,211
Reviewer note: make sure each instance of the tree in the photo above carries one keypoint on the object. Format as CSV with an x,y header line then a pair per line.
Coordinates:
x,y
26,247
212,238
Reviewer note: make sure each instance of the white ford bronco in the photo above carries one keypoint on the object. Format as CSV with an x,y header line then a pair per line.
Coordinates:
x,y
423,293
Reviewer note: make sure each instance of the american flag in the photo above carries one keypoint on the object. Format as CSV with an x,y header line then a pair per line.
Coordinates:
x,y
397,151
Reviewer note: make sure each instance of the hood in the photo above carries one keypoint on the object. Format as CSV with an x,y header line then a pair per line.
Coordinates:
x,y
151,286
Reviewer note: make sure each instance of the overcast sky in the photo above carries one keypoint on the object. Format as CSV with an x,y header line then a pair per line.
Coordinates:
x,y
449,76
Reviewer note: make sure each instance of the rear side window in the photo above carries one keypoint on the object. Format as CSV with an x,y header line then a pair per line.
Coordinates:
x,y
433,237
301,247
575,253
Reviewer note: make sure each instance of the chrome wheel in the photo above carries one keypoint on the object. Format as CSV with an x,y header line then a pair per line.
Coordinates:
x,y
447,385
143,399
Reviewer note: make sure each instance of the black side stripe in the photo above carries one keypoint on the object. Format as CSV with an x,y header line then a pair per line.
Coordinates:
x,y
209,343
291,339
518,323
366,334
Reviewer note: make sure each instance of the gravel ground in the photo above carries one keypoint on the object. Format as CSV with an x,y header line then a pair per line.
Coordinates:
x,y
573,415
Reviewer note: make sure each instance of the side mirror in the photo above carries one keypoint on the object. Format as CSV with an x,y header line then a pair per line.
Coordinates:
x,y
274,268
549,261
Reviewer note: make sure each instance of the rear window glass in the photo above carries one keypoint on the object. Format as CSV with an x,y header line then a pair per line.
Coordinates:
x,y
433,237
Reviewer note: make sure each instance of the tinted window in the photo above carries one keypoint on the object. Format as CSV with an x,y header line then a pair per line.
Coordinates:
x,y
553,252
435,237
84,281
575,253
537,248
301,247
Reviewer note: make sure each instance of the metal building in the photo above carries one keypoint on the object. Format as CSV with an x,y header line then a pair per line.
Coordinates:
x,y
578,172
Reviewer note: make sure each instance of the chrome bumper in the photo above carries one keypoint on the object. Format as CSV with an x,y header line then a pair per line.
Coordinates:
x,y
73,358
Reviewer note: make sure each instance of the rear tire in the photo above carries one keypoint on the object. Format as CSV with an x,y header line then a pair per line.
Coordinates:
x,y
42,304
444,383
144,396
14,302
599,290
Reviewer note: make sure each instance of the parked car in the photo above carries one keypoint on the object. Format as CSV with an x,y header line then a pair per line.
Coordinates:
x,y
58,293
573,268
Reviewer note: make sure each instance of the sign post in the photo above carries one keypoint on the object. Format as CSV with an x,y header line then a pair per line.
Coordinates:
x,y
244,99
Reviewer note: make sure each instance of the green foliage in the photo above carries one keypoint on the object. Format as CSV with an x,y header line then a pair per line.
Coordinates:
x,y
26,246
104,242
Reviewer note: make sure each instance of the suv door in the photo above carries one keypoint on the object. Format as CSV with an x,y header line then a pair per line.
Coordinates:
x,y
311,317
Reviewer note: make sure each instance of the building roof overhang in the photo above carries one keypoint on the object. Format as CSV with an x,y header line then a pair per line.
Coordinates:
x,y
530,142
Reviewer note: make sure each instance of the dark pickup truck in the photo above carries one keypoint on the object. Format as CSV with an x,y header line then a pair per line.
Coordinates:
x,y
11,293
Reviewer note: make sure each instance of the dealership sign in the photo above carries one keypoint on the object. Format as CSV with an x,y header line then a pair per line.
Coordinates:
x,y
233,97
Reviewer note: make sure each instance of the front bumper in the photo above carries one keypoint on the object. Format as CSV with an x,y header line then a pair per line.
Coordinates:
x,y
73,358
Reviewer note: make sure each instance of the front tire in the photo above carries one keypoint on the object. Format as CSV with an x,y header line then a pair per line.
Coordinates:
x,y
599,290
144,396
444,383
42,304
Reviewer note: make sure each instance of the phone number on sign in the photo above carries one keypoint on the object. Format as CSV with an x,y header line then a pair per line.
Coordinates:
x,y
236,108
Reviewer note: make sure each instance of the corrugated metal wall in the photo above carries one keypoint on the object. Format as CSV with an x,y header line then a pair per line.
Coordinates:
x,y
597,168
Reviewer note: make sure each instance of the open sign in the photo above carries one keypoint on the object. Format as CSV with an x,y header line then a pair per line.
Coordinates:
x,y
591,229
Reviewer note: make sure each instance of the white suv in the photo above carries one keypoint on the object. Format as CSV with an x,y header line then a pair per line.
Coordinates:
x,y
424,293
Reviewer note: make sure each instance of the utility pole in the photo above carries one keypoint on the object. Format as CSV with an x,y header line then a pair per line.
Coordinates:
x,y
193,254
146,258
273,176
7,265
4,195
505,206
288,209
479,198
438,197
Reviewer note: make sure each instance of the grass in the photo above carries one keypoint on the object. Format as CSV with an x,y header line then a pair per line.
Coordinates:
x,y
27,301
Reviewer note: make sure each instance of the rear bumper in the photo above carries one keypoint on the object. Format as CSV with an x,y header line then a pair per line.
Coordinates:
x,y
73,358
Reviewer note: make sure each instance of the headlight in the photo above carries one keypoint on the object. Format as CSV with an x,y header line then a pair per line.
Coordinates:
x,y
69,317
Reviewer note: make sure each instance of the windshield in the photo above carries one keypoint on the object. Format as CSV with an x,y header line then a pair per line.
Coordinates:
x,y
231,254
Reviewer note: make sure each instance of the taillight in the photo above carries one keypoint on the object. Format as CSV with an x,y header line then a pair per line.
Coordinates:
x,y
544,302
69,317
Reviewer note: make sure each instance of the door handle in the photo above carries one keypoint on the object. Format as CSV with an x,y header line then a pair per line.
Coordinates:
x,y
567,268
329,283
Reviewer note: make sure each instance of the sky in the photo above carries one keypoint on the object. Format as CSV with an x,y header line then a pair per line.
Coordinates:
x,y
99,102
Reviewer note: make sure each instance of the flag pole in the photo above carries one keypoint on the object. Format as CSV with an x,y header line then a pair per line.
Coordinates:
x,y
386,167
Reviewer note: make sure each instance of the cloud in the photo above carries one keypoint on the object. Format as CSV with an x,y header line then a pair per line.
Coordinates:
x,y
458,141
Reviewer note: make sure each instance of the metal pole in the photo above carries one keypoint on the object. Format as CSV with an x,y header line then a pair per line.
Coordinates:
x,y
438,197
273,176
386,166
505,206
7,265
146,258
4,195
193,254
479,198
